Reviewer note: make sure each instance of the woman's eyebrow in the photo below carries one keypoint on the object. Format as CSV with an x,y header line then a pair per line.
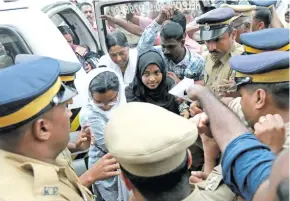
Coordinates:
x,y
113,98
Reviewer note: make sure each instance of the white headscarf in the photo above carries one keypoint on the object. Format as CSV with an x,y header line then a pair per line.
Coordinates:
x,y
121,93
131,66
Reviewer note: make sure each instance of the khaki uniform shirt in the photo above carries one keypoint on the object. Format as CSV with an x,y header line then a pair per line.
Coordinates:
x,y
66,155
216,73
212,189
236,107
27,179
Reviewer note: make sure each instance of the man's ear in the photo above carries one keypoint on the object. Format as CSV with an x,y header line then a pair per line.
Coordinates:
x,y
234,34
183,41
189,161
261,25
260,98
127,182
41,129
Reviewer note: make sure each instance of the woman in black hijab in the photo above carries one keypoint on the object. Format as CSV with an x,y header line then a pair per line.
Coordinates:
x,y
151,84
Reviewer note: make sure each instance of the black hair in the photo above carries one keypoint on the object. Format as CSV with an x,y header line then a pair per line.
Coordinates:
x,y
64,30
172,30
263,14
116,38
170,187
278,91
84,4
70,84
10,139
179,18
104,82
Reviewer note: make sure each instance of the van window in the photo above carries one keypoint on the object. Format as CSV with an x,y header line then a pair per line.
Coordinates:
x,y
81,34
11,44
142,13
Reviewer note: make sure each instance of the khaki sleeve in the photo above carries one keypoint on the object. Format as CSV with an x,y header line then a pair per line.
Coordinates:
x,y
213,188
236,107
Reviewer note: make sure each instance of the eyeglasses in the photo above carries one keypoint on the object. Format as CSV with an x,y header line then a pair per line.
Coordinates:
x,y
109,103
113,103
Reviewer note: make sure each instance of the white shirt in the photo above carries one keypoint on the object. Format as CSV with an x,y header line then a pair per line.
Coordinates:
x,y
131,67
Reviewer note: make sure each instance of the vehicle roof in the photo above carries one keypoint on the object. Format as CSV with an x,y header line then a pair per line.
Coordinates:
x,y
20,4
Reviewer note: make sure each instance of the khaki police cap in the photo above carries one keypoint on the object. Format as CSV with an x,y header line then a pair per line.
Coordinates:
x,y
243,10
148,140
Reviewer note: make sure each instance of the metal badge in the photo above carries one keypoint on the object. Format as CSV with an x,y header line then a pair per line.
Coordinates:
x,y
206,27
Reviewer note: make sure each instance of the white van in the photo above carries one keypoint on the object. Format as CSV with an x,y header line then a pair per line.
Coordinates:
x,y
30,27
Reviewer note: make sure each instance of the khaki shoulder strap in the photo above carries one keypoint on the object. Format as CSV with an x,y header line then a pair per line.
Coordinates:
x,y
46,181
214,179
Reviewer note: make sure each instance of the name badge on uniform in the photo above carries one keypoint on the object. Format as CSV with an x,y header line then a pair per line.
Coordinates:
x,y
50,191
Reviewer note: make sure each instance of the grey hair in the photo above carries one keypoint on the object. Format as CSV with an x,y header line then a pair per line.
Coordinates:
x,y
116,38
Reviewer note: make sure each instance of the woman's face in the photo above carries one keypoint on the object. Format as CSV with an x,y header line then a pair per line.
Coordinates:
x,y
152,76
106,100
119,55
68,38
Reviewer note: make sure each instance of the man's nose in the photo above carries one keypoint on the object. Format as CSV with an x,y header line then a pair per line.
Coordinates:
x,y
119,58
166,51
211,45
69,112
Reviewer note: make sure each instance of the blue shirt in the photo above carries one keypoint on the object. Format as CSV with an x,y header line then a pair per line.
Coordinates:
x,y
191,64
246,164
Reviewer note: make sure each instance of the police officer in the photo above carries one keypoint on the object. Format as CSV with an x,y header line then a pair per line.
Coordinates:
x,y
265,15
274,39
263,77
217,30
243,23
263,81
263,3
152,167
68,72
107,165
254,42
34,129
242,170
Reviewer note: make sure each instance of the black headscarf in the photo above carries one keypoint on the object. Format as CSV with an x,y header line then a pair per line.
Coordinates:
x,y
137,91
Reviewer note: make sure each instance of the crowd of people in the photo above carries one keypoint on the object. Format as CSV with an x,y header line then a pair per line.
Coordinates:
x,y
229,142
